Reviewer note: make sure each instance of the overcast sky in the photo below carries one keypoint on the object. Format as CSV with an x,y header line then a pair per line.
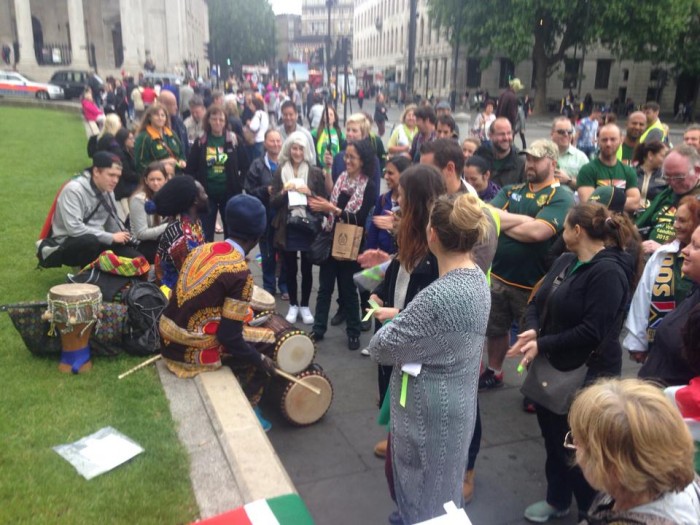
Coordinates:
x,y
286,6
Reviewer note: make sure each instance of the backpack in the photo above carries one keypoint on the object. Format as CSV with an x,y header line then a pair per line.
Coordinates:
x,y
145,304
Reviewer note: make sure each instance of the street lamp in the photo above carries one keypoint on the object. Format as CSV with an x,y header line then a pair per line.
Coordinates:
x,y
329,5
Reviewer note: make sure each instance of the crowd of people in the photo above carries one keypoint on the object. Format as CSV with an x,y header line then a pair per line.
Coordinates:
x,y
562,255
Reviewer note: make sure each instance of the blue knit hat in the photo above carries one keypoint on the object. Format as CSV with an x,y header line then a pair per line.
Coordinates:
x,y
245,217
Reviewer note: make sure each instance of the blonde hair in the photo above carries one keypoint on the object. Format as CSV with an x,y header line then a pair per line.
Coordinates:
x,y
632,438
459,222
361,120
410,107
112,124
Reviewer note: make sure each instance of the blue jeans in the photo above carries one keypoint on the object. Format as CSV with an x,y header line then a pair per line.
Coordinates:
x,y
269,265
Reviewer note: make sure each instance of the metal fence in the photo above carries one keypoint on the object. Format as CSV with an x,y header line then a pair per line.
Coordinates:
x,y
53,54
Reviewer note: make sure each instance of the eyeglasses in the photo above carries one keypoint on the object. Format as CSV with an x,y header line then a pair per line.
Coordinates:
x,y
569,441
350,157
671,177
564,131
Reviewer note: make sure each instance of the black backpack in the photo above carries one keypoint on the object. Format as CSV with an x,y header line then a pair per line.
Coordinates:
x,y
145,304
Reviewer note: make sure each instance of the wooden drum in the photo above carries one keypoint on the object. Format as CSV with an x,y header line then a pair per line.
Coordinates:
x,y
262,300
293,350
74,309
299,405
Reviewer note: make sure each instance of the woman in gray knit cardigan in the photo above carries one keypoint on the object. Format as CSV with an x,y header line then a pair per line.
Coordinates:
x,y
435,346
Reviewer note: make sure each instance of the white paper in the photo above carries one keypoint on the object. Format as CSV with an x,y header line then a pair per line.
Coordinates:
x,y
296,198
412,369
99,452
454,516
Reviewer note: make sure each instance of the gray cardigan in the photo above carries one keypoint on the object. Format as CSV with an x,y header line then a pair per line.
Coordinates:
x,y
141,224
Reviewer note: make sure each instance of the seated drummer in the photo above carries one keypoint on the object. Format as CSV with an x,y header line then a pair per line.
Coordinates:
x,y
203,322
86,222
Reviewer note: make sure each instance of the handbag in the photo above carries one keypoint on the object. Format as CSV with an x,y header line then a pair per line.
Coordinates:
x,y
550,387
347,239
320,249
307,222
248,135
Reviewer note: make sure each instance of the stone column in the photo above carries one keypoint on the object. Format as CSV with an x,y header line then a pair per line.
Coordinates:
x,y
78,42
132,16
25,34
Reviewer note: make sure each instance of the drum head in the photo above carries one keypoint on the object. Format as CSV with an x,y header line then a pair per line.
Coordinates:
x,y
261,299
74,290
303,407
295,353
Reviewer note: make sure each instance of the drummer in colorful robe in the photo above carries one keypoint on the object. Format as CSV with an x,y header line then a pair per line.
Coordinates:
x,y
203,323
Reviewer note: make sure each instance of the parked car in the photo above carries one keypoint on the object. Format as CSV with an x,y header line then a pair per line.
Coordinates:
x,y
74,81
16,84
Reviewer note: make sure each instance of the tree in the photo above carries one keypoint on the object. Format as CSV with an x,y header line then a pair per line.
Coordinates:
x,y
241,30
548,30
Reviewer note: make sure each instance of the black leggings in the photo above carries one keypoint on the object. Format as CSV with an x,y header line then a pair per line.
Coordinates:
x,y
290,263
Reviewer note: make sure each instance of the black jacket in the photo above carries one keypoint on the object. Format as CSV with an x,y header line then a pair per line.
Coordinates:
x,y
512,170
236,165
257,180
666,362
583,311
422,276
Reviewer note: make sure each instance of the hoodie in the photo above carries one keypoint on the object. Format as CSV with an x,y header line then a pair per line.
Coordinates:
x,y
583,312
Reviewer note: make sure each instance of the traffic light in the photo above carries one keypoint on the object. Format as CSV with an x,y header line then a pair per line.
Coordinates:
x,y
345,51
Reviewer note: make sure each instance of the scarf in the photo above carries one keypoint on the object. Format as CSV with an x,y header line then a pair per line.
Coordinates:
x,y
355,188
287,175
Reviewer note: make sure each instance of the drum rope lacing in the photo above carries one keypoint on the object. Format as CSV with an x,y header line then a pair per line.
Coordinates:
x,y
71,307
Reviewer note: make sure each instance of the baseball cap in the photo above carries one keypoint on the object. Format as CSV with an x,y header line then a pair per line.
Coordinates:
x,y
542,148
611,197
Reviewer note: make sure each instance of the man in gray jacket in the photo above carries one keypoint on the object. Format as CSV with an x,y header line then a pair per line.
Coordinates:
x,y
85,222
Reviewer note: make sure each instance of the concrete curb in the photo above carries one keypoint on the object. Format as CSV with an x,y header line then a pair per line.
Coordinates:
x,y
231,460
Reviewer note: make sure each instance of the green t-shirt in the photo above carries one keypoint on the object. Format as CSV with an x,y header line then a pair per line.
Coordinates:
x,y
595,174
519,263
627,153
216,160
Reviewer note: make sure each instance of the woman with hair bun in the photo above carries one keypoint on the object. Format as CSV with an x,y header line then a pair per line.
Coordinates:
x,y
574,319
440,334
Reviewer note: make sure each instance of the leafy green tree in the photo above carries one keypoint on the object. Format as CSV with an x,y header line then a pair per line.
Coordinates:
x,y
242,31
548,31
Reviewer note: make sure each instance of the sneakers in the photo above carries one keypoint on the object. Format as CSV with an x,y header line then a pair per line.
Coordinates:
x,y
489,380
306,315
366,326
292,314
353,342
264,423
365,352
528,405
395,518
338,318
542,512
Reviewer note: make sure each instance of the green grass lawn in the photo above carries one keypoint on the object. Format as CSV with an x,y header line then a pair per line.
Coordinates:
x,y
41,408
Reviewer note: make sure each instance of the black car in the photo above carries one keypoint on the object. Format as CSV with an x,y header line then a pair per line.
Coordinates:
x,y
74,81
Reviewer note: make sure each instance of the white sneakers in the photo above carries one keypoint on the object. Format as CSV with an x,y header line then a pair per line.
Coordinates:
x,y
294,312
306,315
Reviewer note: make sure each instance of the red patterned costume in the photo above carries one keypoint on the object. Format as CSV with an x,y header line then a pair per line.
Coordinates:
x,y
203,322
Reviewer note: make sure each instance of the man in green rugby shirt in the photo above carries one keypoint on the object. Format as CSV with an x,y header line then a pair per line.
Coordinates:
x,y
532,214
681,170
607,170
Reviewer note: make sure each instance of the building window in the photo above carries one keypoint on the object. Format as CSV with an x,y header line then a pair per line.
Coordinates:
x,y
507,71
602,74
444,72
571,67
625,75
473,72
420,40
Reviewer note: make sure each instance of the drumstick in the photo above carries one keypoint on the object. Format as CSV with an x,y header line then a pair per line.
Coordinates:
x,y
139,367
293,379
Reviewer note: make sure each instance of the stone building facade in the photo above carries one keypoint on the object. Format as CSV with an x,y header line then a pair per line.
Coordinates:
x,y
107,35
380,52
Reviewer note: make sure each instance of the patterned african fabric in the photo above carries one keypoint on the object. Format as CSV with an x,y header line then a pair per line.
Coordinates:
x,y
177,241
214,284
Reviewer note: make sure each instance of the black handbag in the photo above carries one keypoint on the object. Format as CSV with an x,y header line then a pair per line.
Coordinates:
x,y
308,222
320,249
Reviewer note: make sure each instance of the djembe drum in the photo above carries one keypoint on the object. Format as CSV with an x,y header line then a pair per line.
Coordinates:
x,y
299,405
293,350
261,300
74,309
